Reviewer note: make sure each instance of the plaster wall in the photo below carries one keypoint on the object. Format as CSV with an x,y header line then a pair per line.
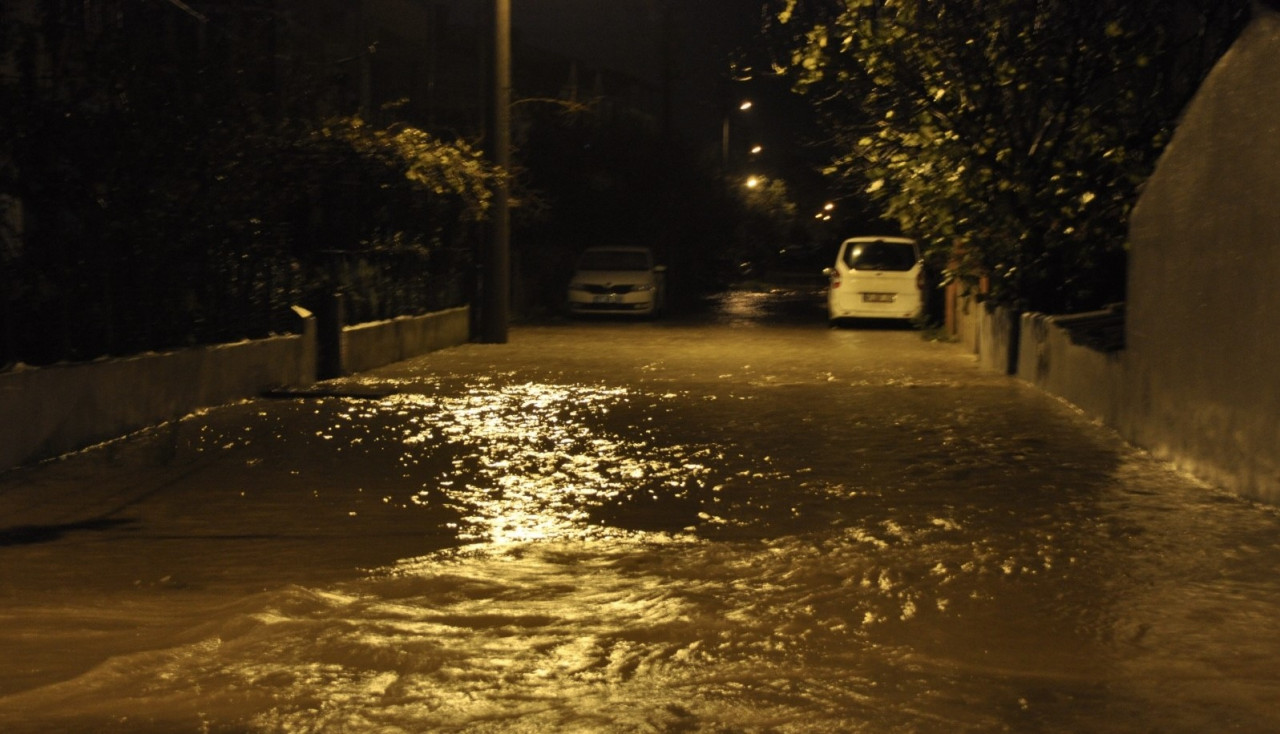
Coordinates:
x,y
1202,384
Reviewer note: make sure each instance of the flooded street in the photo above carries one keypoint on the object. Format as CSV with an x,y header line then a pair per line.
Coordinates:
x,y
746,523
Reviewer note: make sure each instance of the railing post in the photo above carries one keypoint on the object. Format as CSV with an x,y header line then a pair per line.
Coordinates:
x,y
330,346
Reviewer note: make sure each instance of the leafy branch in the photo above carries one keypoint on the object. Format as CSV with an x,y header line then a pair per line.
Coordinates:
x,y
1010,137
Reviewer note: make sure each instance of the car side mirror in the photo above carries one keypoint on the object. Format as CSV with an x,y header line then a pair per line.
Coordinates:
x,y
829,272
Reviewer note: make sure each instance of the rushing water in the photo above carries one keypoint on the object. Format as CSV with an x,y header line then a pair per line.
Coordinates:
x,y
639,527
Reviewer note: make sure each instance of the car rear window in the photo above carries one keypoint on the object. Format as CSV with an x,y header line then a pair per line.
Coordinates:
x,y
614,260
880,255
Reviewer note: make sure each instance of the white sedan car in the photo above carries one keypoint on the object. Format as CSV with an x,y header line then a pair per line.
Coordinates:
x,y
876,278
621,280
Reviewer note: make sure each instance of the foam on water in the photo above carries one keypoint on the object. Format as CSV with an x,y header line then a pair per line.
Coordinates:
x,y
772,542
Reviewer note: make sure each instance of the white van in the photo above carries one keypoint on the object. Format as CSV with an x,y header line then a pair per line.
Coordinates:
x,y
876,278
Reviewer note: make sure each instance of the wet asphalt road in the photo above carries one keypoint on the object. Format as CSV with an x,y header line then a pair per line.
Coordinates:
x,y
743,521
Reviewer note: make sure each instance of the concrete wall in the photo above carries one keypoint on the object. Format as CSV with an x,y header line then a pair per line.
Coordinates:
x,y
383,342
1204,290
997,336
962,317
1232,447
52,410
989,333
49,411
1089,379
1198,382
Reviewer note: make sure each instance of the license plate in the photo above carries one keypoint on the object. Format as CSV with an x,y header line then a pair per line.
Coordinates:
x,y
878,297
611,298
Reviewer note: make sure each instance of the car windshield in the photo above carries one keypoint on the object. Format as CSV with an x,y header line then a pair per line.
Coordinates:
x,y
614,260
880,255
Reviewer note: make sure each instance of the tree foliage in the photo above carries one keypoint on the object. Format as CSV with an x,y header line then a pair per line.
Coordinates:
x,y
154,195
1011,135
767,221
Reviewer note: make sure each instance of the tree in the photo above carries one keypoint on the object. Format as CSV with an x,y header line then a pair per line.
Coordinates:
x,y
1010,136
160,187
767,222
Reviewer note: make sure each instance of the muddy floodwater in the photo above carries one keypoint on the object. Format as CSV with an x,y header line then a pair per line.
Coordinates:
x,y
743,523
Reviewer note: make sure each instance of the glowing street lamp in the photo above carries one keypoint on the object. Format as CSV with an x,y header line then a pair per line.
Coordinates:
x,y
743,106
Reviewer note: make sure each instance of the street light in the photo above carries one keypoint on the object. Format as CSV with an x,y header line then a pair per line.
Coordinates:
x,y
743,106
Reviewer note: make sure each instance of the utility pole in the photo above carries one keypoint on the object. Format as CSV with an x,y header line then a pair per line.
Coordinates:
x,y
667,31
496,277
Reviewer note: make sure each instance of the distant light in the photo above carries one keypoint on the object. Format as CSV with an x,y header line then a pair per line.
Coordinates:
x,y
828,206
753,181
756,149
746,105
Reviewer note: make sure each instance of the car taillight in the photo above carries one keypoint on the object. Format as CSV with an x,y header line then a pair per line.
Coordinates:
x,y
920,279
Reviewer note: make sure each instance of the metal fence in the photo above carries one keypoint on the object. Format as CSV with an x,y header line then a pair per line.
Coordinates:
x,y
82,311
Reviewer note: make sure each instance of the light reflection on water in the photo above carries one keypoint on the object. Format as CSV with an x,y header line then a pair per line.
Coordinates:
x,y
958,557
532,463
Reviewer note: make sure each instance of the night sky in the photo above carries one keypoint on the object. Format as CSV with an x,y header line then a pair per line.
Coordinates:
x,y
627,35
705,35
